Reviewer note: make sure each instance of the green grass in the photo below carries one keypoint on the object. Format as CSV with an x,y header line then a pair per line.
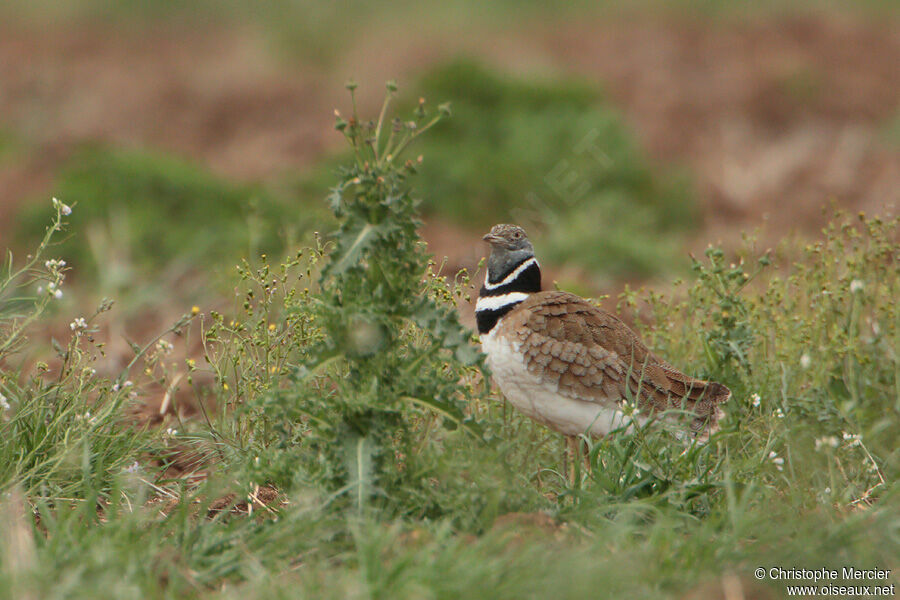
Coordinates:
x,y
141,214
10,145
550,154
381,493
648,521
892,130
555,157
164,207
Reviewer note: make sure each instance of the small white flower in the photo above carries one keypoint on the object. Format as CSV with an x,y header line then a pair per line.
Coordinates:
x,y
853,439
629,408
78,324
133,468
4,403
63,208
171,432
805,361
116,387
776,460
40,289
829,441
755,400
86,417
779,413
57,294
54,264
856,286
164,346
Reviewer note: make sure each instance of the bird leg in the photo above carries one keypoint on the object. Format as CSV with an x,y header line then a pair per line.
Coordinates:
x,y
572,456
586,455
576,449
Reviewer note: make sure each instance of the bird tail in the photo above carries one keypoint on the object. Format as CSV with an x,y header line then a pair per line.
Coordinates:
x,y
708,410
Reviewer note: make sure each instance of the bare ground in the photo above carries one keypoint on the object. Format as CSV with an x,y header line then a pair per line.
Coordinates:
x,y
774,118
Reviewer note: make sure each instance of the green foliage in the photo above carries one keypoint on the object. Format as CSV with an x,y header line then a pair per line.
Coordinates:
x,y
249,352
10,145
140,212
729,339
381,358
341,375
62,431
400,349
555,157
810,355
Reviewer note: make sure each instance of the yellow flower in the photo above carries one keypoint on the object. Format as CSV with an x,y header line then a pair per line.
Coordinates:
x,y
195,310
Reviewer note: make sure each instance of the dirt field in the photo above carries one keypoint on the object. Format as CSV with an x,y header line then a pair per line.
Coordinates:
x,y
774,118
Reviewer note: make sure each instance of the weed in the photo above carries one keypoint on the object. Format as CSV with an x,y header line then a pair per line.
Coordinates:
x,y
62,425
374,355
139,212
555,157
342,376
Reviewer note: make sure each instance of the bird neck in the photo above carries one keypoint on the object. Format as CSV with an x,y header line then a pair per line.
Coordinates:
x,y
504,291
523,276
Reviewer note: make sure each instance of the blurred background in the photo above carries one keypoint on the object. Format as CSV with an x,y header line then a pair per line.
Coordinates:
x,y
622,135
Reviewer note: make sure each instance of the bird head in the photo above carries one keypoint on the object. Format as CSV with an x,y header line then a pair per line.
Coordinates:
x,y
509,249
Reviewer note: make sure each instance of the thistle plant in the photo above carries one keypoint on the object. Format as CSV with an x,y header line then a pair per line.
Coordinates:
x,y
391,358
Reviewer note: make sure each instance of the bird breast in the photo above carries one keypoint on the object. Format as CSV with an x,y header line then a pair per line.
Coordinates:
x,y
541,400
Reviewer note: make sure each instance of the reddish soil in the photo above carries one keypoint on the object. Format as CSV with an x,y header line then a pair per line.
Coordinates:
x,y
215,96
773,117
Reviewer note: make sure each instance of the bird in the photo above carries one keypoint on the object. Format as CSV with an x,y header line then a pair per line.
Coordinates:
x,y
571,366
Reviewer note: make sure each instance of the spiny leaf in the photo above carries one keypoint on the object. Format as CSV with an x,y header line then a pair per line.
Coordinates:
x,y
359,461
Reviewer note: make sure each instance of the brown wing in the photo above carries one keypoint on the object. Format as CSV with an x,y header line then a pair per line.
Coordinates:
x,y
593,356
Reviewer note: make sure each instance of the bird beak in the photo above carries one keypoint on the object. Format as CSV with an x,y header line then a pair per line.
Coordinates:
x,y
490,238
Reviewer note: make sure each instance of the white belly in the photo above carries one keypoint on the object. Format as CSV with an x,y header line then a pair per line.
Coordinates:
x,y
540,400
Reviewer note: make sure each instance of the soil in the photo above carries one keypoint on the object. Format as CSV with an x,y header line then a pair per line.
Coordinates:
x,y
773,117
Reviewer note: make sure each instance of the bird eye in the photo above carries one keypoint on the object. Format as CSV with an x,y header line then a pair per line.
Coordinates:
x,y
517,235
